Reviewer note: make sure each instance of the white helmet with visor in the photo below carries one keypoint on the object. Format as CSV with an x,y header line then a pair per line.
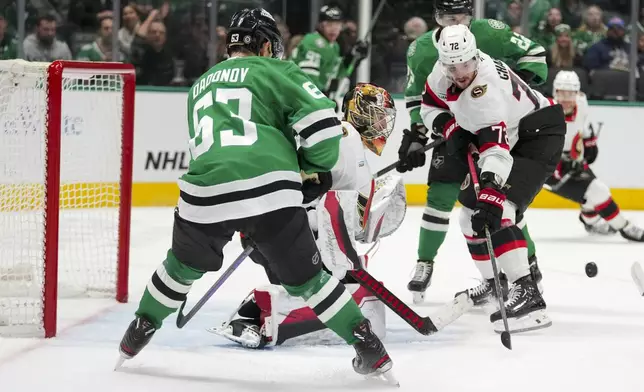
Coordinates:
x,y
457,51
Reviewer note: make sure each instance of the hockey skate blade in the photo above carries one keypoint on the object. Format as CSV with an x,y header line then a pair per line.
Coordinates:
x,y
530,322
386,376
418,297
120,362
637,273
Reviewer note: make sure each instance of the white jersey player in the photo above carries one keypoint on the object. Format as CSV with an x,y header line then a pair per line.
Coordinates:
x,y
352,207
573,178
519,134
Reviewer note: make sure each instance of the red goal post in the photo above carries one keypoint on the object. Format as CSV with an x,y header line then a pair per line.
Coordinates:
x,y
65,193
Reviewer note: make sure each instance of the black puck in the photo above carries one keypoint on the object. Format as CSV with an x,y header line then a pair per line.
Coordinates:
x,y
591,269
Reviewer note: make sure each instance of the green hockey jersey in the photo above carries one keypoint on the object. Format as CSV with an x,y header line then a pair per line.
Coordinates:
x,y
492,37
318,58
244,116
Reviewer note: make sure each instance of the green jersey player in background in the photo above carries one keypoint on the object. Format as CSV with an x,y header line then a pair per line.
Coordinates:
x,y
244,115
319,54
446,174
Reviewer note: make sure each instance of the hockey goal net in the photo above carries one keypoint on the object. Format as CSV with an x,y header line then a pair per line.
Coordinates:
x,y
66,135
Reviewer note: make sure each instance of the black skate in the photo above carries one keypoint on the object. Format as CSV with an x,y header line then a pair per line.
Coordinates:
x,y
486,291
371,356
632,233
525,308
136,337
600,227
421,280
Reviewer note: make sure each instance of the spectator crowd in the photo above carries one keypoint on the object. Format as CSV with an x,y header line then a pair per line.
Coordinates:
x,y
168,41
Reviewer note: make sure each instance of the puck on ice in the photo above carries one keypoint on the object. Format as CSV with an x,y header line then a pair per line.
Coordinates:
x,y
591,269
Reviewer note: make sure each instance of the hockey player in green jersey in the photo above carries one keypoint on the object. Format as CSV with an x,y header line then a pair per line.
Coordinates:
x,y
447,172
319,55
244,115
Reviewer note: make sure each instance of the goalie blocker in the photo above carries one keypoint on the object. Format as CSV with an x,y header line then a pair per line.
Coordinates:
x,y
270,316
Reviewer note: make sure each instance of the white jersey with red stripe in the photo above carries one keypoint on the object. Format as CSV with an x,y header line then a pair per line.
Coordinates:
x,y
351,175
351,172
577,127
491,107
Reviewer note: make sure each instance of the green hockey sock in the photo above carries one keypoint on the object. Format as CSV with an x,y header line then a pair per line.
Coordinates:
x,y
526,234
166,290
331,302
441,198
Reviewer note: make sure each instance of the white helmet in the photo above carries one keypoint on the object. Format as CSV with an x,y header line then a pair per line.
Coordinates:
x,y
457,45
566,81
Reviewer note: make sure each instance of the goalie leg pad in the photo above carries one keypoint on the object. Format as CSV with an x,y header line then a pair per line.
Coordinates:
x,y
288,319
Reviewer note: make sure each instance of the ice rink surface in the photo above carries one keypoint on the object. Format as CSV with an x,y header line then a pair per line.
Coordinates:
x,y
596,342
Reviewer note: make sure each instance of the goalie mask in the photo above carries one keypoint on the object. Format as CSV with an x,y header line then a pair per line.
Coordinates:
x,y
370,109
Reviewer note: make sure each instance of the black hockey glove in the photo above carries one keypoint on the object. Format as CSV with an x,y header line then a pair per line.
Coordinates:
x,y
590,149
488,211
457,139
312,189
333,88
360,51
410,153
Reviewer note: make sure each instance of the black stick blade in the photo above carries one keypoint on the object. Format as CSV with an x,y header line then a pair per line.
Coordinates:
x,y
506,340
181,316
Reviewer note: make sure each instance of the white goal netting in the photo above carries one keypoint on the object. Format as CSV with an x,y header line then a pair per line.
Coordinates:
x,y
90,163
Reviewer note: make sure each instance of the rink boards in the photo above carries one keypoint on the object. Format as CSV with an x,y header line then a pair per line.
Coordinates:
x,y
161,155
161,151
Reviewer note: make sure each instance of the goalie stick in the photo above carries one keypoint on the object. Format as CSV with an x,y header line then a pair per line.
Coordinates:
x,y
428,325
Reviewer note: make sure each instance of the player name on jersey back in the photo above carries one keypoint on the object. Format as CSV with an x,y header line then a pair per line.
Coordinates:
x,y
231,75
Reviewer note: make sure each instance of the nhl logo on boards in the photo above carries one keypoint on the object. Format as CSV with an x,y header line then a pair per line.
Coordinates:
x,y
479,91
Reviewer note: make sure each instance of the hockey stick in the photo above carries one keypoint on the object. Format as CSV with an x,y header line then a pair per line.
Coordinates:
x,y
562,182
447,314
637,273
392,166
506,339
182,319
344,84
374,19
